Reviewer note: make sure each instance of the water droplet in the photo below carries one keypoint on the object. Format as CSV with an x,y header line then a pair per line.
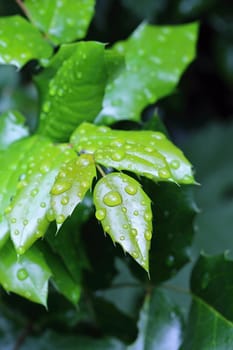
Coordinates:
x,y
107,228
8,209
124,209
112,199
134,232
117,143
148,216
21,250
22,274
50,215
125,226
164,173
122,238
118,155
148,235
42,204
85,184
136,213
187,179
100,214
131,189
13,220
135,255
60,219
34,192
170,260
25,222
65,200
16,232
175,164
60,187
28,294
84,161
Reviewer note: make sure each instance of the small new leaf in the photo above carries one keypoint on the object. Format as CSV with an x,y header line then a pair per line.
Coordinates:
x,y
27,275
21,42
124,211
72,182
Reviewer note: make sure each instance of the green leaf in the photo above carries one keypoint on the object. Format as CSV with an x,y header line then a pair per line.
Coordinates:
x,y
71,184
30,212
61,20
207,329
125,214
61,278
155,59
21,42
75,91
12,128
4,231
26,275
211,314
160,325
209,274
146,153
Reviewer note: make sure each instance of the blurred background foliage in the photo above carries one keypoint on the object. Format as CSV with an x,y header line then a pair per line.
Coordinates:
x,y
198,116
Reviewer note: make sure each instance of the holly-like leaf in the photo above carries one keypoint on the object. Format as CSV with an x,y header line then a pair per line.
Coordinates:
x,y
72,182
26,275
12,128
207,329
21,42
75,91
30,212
210,323
125,213
61,20
150,71
146,153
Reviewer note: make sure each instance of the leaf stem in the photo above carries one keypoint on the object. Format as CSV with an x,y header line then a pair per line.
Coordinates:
x,y
100,170
23,8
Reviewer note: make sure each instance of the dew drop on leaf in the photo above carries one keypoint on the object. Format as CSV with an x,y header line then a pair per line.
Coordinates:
x,y
50,215
118,155
42,204
163,173
65,200
60,219
16,232
60,187
13,220
112,199
148,216
131,190
122,238
22,274
34,192
175,164
135,255
100,214
148,235
135,213
134,232
25,222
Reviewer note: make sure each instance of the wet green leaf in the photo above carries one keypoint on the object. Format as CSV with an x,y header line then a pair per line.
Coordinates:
x,y
125,213
21,42
150,71
71,184
26,275
30,212
61,20
12,128
146,153
76,91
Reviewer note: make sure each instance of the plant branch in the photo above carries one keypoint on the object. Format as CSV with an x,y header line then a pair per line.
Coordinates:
x,y
23,8
100,170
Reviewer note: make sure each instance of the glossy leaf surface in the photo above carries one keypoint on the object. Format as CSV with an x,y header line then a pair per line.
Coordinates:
x,y
125,213
12,128
61,20
30,211
150,71
207,329
71,184
75,91
146,153
21,42
26,275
